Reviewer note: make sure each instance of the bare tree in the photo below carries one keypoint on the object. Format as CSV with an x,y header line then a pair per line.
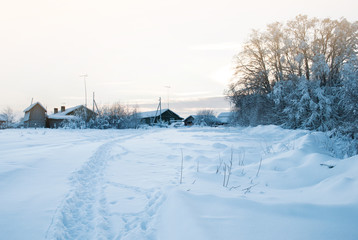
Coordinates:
x,y
252,72
301,30
274,37
8,115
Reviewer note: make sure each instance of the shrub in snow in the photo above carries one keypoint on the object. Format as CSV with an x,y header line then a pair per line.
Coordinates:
x,y
205,118
115,116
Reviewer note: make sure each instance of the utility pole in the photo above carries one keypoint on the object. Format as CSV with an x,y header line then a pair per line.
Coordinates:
x,y
156,112
94,104
84,80
160,106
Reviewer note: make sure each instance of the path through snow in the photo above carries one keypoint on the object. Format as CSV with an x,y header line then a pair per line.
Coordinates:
x,y
84,212
87,213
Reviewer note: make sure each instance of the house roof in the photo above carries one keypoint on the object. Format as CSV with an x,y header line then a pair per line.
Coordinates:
x,y
65,114
70,110
191,116
33,105
62,116
151,114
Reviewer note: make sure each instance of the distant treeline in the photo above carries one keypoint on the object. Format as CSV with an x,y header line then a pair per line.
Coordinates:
x,y
299,74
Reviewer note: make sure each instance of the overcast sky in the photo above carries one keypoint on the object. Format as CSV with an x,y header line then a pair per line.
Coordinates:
x,y
133,50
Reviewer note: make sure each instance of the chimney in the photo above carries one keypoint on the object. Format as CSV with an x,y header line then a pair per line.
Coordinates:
x,y
55,110
63,108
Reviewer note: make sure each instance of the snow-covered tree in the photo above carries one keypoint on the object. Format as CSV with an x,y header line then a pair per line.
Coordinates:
x,y
116,116
320,69
299,74
300,32
8,115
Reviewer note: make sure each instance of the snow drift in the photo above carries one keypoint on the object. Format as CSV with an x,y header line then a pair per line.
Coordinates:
x,y
238,183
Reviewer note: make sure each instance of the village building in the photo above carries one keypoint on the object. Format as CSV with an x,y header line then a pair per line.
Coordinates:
x,y
35,116
164,115
202,120
225,117
2,122
189,121
77,113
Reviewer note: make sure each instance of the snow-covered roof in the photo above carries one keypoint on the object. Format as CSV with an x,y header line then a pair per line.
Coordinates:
x,y
64,114
70,110
193,116
225,114
27,116
224,117
33,105
151,113
62,117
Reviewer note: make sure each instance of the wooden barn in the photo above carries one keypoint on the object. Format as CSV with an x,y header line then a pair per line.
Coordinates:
x,y
35,116
78,113
202,120
194,120
189,121
2,122
165,115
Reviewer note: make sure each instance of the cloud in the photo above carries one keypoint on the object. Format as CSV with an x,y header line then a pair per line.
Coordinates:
x,y
223,74
218,46
72,98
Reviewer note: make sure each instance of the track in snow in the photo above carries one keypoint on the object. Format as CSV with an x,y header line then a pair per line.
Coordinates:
x,y
84,214
139,225
86,211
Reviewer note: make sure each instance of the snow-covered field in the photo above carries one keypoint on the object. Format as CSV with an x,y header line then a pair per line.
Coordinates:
x,y
125,184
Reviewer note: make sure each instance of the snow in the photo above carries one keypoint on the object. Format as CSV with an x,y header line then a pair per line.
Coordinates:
x,y
151,113
62,116
124,184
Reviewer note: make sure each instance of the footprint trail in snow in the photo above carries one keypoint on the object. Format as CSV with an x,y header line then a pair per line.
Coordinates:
x,y
83,214
97,207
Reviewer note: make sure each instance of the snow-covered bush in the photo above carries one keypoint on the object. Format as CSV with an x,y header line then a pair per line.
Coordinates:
x,y
205,117
116,116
